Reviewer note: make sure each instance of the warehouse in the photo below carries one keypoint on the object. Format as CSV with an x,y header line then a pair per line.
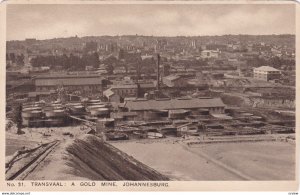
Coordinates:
x,y
213,105
87,83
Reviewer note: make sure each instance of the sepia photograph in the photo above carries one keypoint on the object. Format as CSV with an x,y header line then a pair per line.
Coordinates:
x,y
152,91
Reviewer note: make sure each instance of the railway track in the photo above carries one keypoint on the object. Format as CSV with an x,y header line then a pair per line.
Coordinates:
x,y
24,162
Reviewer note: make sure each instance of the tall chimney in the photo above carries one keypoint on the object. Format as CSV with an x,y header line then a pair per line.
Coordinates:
x,y
138,91
158,76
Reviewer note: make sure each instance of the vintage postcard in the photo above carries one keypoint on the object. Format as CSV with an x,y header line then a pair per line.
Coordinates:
x,y
149,95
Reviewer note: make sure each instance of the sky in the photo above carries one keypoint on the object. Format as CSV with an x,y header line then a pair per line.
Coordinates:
x,y
50,21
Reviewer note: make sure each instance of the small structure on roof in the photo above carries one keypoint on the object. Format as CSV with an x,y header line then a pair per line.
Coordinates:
x,y
174,81
111,95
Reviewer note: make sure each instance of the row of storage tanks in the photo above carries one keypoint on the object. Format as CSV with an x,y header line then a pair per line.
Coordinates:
x,y
91,109
39,114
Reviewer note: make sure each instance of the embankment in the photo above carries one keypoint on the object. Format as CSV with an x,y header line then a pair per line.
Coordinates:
x,y
89,158
107,162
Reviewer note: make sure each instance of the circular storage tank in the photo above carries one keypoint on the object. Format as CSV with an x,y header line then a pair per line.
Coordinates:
x,y
31,109
93,102
36,113
28,106
48,108
77,109
55,113
100,112
32,114
89,108
74,104
58,108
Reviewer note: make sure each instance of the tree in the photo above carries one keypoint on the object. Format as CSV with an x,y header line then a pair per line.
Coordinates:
x,y
94,60
12,57
275,62
110,69
17,117
20,60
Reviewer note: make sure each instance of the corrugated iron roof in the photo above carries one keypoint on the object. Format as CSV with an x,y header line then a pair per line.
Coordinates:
x,y
75,75
266,68
68,81
132,86
174,104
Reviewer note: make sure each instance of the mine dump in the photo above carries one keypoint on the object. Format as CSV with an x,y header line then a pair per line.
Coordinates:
x,y
124,112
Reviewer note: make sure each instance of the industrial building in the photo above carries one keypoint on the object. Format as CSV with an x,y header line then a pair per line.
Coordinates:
x,y
213,105
266,73
87,83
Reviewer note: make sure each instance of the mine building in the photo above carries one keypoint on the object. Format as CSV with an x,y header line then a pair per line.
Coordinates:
x,y
86,83
266,73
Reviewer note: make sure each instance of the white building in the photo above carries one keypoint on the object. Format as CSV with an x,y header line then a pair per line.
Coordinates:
x,y
266,73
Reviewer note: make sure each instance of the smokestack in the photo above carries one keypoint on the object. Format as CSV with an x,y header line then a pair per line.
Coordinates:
x,y
158,79
138,91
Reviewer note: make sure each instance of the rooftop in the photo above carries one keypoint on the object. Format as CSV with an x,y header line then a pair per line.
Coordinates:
x,y
132,86
173,104
266,68
172,77
79,75
108,93
56,81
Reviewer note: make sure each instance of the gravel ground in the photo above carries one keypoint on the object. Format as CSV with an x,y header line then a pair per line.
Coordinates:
x,y
230,161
